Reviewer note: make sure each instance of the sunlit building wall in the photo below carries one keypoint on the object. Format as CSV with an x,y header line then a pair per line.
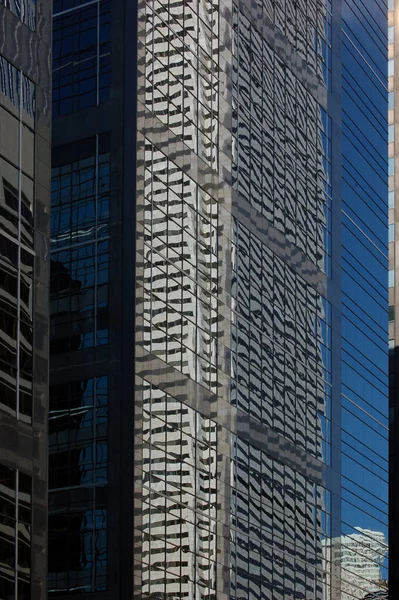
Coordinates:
x,y
219,259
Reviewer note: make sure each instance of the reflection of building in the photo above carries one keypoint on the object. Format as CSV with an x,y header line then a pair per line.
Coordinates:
x,y
245,344
359,557
380,595
24,239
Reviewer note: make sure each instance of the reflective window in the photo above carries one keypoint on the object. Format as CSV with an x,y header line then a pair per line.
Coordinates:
x,y
391,313
391,34
15,533
391,100
391,133
391,166
80,248
391,199
391,67
17,90
81,57
391,232
391,4
17,105
78,422
25,10
276,370
391,278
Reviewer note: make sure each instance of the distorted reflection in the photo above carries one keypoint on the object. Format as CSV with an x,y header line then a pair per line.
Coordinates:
x,y
78,462
15,533
179,500
360,557
16,240
25,10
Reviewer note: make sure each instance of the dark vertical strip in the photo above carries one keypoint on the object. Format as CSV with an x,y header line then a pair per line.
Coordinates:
x,y
128,301
334,284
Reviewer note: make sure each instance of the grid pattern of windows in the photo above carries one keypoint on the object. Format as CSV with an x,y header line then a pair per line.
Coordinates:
x,y
281,337
78,464
281,529
238,281
281,144
182,72
77,547
179,504
80,252
15,534
17,105
81,47
180,270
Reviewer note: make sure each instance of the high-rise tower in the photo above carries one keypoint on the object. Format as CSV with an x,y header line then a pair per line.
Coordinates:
x,y
219,412
25,124
393,16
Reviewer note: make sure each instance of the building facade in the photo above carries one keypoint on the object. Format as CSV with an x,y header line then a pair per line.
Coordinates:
x,y
393,16
25,125
219,393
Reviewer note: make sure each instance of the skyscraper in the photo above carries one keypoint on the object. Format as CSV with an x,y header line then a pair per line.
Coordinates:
x,y
218,401
393,301
25,122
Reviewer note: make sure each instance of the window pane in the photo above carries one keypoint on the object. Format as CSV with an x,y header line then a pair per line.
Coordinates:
x,y
391,313
391,277
391,166
391,67
391,199
391,34
391,232
391,100
391,133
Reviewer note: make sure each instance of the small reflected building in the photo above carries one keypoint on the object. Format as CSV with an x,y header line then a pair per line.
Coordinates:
x,y
359,557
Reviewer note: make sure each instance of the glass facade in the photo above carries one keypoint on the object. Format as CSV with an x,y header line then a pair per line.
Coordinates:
x,y
219,393
81,47
78,456
15,533
24,239
393,301
261,320
17,110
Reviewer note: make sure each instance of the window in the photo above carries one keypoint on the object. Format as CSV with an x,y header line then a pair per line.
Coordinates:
x,y
25,11
391,166
81,58
391,133
391,100
391,67
391,4
391,34
391,278
391,199
391,232
15,532
391,313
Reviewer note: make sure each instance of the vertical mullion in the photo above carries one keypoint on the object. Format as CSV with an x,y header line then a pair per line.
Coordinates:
x,y
19,242
16,533
98,55
95,241
93,572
